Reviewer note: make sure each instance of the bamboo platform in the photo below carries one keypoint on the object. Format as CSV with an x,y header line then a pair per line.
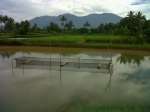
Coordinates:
x,y
63,63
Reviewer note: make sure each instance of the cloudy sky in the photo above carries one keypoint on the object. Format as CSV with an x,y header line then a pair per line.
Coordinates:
x,y
27,9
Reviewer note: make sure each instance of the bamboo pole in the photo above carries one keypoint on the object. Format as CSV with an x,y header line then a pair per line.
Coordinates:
x,y
79,63
60,68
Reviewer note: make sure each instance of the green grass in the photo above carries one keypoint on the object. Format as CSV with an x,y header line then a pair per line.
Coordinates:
x,y
73,40
68,37
80,38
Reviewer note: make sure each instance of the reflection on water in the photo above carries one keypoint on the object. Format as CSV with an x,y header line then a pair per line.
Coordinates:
x,y
125,87
128,58
6,54
140,76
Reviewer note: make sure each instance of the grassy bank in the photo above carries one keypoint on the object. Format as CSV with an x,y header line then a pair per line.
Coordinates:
x,y
73,40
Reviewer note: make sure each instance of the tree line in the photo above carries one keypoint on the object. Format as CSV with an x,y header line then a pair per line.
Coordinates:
x,y
8,25
134,25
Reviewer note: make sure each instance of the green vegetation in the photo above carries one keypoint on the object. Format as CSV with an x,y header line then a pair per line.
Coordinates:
x,y
66,40
132,31
79,105
105,108
96,41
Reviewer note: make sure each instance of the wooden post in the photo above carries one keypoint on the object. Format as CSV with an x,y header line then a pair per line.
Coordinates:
x,y
50,63
60,68
79,62
111,57
23,65
23,68
12,66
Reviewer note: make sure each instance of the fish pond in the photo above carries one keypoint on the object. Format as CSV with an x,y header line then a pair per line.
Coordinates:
x,y
126,88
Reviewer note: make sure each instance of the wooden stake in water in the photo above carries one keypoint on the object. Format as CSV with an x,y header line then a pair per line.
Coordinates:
x,y
12,67
60,67
50,63
79,62
108,86
23,68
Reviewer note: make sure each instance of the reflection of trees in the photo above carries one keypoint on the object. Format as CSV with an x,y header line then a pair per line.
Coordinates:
x,y
6,54
127,58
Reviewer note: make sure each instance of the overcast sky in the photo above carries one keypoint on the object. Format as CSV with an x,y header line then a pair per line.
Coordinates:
x,y
27,9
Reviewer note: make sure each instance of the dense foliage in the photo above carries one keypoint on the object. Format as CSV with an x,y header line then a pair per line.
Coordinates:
x,y
134,25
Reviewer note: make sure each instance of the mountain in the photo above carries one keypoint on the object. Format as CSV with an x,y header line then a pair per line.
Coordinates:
x,y
78,21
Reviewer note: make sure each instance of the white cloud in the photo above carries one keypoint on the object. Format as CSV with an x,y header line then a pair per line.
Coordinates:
x,y
27,9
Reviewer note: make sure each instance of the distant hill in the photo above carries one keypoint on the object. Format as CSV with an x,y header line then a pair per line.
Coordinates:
x,y
94,19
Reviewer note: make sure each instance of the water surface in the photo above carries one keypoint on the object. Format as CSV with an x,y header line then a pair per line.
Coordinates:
x,y
46,90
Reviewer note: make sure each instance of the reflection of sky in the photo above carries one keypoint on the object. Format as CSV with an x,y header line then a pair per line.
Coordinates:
x,y
134,71
141,73
43,86
134,78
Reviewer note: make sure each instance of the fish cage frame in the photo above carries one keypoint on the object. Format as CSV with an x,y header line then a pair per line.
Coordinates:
x,y
64,63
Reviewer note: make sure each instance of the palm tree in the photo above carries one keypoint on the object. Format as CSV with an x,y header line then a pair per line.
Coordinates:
x,y
63,20
87,25
23,27
9,24
53,27
140,16
1,23
69,25
5,19
34,28
1,18
130,14
140,22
